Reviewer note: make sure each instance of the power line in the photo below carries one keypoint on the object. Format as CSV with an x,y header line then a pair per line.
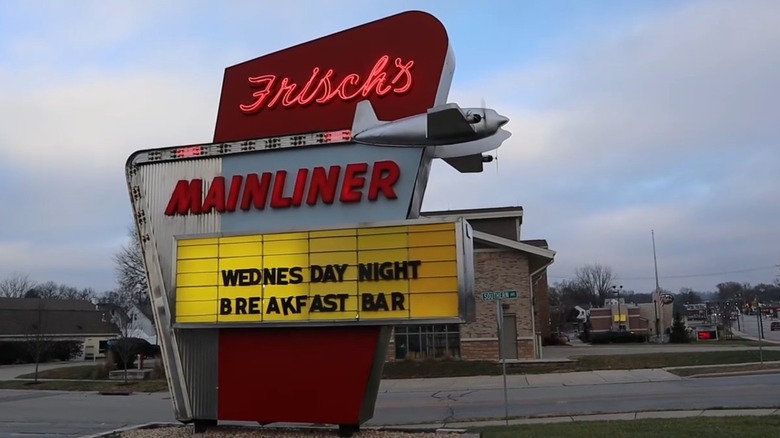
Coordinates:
x,y
708,274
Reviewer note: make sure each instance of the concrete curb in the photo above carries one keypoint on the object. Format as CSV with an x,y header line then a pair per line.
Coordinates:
x,y
463,427
734,373
130,428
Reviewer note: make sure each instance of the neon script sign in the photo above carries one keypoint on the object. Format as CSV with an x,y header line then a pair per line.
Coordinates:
x,y
383,79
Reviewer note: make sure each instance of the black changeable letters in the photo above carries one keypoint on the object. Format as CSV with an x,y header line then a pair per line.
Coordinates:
x,y
255,277
388,270
324,274
297,303
332,302
376,302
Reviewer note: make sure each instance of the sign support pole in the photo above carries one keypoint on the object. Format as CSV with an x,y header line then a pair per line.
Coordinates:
x,y
760,332
500,318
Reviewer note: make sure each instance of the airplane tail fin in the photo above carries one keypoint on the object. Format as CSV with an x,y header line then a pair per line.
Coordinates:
x,y
365,117
467,164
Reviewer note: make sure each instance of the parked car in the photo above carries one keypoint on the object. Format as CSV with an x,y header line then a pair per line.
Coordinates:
x,y
132,347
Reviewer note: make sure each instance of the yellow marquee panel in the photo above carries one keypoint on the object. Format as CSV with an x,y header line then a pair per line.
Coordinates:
x,y
393,274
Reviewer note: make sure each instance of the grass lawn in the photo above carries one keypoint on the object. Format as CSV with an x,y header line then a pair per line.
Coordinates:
x,y
82,372
93,378
61,385
684,372
454,368
710,427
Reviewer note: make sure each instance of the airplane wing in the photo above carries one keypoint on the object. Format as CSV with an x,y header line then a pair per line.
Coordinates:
x,y
448,122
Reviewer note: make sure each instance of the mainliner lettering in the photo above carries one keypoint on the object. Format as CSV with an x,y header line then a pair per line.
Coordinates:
x,y
310,186
323,88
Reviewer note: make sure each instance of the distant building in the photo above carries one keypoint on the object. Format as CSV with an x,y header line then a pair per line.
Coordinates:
x,y
641,319
618,316
137,322
57,320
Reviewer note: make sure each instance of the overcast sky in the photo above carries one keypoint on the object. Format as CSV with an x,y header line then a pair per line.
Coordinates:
x,y
626,117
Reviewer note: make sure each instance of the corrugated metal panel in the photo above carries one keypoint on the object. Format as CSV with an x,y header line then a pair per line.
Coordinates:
x,y
159,181
150,188
199,350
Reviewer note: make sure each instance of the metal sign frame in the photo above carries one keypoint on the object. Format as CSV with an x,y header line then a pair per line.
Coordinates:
x,y
464,247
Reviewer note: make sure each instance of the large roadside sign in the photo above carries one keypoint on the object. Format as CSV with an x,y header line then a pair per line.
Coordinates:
x,y
294,233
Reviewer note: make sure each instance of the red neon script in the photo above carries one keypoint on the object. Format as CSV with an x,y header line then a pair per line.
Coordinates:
x,y
323,88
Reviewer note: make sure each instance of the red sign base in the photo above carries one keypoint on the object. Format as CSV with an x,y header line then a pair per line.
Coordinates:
x,y
325,375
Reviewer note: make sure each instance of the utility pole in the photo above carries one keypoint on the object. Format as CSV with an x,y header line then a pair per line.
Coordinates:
x,y
656,295
760,331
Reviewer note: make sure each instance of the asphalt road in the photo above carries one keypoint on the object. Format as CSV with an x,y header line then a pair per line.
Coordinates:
x,y
38,413
74,414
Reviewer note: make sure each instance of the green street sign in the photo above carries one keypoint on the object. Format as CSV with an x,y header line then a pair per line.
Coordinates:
x,y
500,295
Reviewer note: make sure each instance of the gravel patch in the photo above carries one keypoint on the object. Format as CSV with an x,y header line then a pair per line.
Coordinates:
x,y
240,432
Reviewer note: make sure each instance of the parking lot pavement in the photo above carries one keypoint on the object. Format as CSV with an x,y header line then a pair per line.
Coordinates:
x,y
57,414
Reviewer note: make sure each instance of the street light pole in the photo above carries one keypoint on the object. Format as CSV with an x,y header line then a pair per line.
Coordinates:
x,y
657,295
617,291
760,332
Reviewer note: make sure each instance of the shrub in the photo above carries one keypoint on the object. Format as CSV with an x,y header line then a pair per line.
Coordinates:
x,y
555,339
158,372
15,352
12,352
679,334
102,370
65,350
616,338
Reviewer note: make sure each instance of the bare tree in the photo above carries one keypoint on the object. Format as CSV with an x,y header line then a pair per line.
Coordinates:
x,y
597,279
131,271
55,291
37,338
47,290
126,346
16,285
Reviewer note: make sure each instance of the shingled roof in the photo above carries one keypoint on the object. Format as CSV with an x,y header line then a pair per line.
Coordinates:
x,y
59,318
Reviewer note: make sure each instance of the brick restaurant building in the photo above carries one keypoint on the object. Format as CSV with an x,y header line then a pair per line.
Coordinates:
x,y
502,261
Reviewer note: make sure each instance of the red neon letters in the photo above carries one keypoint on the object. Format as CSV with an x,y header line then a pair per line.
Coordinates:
x,y
309,186
321,89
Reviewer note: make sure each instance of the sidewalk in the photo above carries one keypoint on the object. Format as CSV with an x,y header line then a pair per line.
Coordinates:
x,y
11,372
595,417
528,380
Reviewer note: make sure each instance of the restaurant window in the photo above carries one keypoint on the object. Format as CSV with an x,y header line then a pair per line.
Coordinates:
x,y
427,341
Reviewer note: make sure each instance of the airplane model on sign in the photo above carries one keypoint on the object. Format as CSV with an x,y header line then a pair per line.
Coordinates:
x,y
459,135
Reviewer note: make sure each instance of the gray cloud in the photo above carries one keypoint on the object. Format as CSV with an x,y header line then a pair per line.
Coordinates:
x,y
668,124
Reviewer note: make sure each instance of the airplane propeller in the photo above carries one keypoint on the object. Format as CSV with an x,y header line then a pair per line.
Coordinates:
x,y
484,119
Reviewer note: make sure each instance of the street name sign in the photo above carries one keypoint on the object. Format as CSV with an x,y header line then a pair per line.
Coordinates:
x,y
499,295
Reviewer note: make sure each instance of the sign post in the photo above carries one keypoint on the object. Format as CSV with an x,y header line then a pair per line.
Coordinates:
x,y
760,327
497,297
500,316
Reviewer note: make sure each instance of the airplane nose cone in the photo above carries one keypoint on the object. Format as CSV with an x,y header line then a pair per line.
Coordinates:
x,y
501,120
